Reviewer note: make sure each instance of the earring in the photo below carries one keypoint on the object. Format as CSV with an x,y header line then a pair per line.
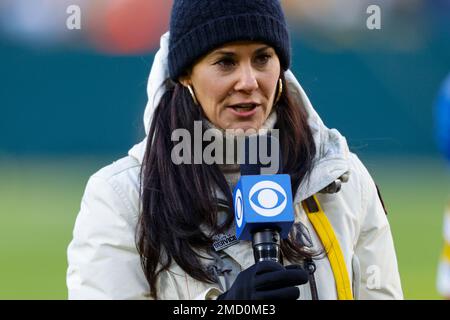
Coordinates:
x,y
280,91
192,94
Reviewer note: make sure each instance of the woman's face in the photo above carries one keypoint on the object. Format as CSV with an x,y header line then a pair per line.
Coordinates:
x,y
236,84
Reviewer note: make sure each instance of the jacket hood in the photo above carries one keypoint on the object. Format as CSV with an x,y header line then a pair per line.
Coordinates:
x,y
332,150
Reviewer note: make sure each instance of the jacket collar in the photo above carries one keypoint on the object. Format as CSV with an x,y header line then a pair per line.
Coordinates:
x,y
332,150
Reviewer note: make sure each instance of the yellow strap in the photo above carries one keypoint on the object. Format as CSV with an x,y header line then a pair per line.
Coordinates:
x,y
331,245
446,252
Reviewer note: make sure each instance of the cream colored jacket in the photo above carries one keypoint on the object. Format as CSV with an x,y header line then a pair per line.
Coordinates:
x,y
103,262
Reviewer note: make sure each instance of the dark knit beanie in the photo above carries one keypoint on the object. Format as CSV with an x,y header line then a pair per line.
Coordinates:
x,y
199,26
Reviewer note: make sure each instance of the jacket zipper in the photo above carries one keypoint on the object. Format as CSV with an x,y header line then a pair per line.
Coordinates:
x,y
311,268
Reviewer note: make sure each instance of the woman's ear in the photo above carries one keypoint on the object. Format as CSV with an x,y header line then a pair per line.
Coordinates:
x,y
185,79
184,82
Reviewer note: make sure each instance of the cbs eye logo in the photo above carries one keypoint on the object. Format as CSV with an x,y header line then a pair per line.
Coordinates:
x,y
267,198
239,208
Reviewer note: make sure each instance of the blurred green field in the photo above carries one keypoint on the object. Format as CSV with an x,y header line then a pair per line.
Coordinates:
x,y
415,192
40,198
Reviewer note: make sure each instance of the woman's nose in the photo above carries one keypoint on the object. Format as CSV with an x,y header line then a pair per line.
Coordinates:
x,y
247,79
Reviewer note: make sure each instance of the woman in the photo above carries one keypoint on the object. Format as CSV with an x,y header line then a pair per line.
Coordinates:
x,y
147,226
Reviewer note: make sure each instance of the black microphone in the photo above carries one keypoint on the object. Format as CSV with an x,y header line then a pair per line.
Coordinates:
x,y
263,198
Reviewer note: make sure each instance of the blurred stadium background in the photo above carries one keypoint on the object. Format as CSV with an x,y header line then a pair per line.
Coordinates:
x,y
71,102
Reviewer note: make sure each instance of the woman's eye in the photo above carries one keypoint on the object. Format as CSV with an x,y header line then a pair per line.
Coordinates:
x,y
226,63
263,59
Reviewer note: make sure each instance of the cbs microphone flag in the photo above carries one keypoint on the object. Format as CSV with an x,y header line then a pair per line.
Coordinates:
x,y
263,201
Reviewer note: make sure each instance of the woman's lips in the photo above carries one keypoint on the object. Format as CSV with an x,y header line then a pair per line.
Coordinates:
x,y
243,112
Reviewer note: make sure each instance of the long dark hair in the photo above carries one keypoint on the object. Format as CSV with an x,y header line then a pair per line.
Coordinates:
x,y
177,199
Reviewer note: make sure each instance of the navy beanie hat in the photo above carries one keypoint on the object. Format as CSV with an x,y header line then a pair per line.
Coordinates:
x,y
199,26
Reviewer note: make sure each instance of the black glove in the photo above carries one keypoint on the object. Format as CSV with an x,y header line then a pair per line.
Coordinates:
x,y
267,280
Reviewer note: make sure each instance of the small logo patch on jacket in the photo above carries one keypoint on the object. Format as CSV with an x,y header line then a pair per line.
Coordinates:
x,y
223,241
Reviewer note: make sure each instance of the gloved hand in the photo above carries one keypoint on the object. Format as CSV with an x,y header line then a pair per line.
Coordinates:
x,y
267,280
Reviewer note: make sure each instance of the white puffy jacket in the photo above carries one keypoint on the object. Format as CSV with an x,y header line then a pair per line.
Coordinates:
x,y
103,262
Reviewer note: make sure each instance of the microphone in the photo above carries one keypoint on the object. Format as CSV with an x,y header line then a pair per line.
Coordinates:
x,y
263,206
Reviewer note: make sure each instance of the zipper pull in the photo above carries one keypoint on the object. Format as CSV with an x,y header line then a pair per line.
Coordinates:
x,y
310,267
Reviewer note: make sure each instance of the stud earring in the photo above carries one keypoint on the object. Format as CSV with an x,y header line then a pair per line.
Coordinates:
x,y
192,94
280,91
